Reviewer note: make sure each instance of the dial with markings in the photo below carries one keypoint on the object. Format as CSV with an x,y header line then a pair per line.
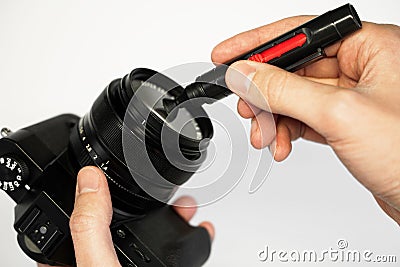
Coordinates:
x,y
12,173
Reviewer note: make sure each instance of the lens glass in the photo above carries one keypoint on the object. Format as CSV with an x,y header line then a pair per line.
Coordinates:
x,y
181,120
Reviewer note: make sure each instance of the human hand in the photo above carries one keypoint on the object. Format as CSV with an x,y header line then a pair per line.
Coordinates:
x,y
91,218
349,100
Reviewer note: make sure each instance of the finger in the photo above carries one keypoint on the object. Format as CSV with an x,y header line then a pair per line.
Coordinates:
x,y
186,207
210,229
248,40
273,89
262,130
296,129
247,110
288,130
90,220
324,68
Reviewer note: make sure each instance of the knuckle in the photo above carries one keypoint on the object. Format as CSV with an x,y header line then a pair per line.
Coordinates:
x,y
82,223
392,30
388,41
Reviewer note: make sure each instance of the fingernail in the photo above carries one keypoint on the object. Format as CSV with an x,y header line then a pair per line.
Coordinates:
x,y
272,148
88,180
239,77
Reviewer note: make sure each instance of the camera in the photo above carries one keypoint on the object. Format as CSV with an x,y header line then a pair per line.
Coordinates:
x,y
39,165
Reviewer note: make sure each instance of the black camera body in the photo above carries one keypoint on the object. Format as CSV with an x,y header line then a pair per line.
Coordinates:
x,y
38,170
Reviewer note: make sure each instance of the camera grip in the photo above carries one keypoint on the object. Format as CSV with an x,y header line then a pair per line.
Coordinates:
x,y
161,238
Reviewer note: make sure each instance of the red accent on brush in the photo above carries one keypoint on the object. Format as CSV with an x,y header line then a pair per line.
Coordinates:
x,y
278,50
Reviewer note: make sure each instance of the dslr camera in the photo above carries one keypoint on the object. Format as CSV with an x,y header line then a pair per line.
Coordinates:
x,y
127,122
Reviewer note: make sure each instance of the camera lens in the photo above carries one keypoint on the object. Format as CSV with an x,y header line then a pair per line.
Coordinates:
x,y
134,105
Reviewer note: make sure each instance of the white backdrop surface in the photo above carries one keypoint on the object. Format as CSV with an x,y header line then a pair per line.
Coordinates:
x,y
57,56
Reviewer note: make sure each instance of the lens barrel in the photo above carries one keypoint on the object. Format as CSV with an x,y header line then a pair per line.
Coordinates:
x,y
98,140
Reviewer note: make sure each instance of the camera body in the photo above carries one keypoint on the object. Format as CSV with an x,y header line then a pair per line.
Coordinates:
x,y
38,170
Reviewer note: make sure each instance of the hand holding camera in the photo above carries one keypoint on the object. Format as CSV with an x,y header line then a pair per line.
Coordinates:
x,y
91,219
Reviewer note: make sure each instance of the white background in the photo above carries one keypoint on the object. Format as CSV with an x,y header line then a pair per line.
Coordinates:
x,y
57,56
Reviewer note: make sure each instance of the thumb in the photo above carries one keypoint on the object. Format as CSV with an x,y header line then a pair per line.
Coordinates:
x,y
90,220
281,92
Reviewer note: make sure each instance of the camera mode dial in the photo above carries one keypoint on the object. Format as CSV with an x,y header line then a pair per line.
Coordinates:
x,y
12,173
